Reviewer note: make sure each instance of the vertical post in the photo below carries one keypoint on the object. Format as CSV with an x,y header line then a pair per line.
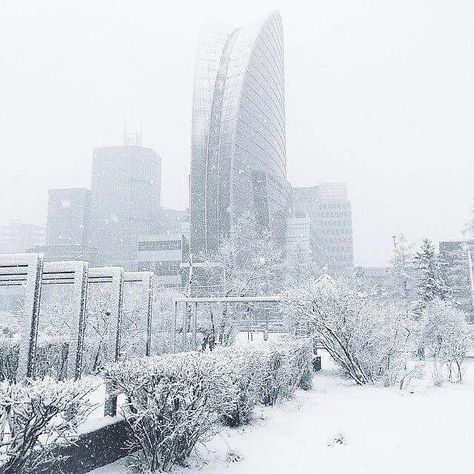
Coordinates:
x,y
114,335
29,318
78,323
185,329
149,323
175,318
110,404
195,316
115,325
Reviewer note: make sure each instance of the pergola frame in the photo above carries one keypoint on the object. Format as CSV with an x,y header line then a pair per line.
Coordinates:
x,y
114,277
25,270
145,278
210,299
71,273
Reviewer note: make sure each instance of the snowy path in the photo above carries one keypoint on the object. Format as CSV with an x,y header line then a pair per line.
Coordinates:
x,y
385,430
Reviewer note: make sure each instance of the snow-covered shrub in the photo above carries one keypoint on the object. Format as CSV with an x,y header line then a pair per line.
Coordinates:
x,y
446,336
366,337
173,402
35,417
245,373
286,365
51,357
9,349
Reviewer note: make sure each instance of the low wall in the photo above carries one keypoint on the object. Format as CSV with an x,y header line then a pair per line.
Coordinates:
x,y
97,448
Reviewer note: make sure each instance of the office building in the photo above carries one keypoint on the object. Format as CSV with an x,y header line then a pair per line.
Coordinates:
x,y
67,227
298,236
17,237
170,221
163,255
68,216
125,200
238,161
329,210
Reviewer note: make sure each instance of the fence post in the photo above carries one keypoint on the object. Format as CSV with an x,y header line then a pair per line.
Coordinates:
x,y
175,324
149,326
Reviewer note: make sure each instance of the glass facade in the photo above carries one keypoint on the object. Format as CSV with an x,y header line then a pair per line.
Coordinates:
x,y
238,136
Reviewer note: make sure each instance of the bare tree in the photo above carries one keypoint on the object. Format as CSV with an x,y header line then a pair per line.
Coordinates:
x,y
447,337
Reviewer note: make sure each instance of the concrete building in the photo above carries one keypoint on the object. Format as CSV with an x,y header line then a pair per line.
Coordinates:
x,y
238,161
67,228
298,235
455,258
170,221
329,210
163,255
17,237
125,200
68,216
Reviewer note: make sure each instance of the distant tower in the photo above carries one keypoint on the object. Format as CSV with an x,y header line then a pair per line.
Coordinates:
x,y
125,199
238,161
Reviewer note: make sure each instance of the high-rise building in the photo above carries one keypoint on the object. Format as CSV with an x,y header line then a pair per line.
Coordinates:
x,y
125,201
68,216
170,221
17,237
238,159
329,209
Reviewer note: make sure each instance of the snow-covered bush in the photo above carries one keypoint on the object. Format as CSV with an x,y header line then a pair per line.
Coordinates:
x,y
446,336
35,417
9,349
173,402
176,400
245,373
286,365
264,373
51,357
366,337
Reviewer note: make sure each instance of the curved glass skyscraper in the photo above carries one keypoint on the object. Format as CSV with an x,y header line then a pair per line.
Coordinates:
x,y
238,133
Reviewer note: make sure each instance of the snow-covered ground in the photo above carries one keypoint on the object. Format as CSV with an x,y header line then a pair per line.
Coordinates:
x,y
342,428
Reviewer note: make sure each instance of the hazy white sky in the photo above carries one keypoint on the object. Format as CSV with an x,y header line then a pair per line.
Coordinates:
x,y
380,93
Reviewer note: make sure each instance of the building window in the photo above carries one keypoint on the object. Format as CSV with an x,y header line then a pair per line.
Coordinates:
x,y
159,245
167,268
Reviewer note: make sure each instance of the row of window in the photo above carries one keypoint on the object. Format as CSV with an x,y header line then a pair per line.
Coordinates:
x,y
161,268
159,245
